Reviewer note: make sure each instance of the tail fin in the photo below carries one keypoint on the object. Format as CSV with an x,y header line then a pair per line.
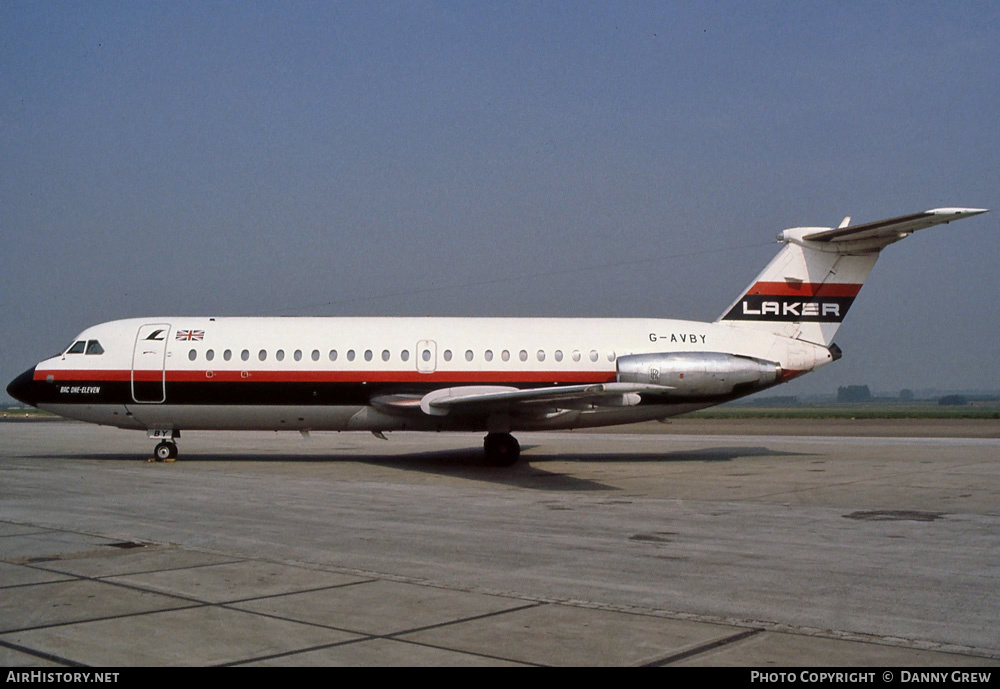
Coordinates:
x,y
807,289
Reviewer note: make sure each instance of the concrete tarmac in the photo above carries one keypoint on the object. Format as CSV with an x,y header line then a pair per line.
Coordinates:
x,y
748,543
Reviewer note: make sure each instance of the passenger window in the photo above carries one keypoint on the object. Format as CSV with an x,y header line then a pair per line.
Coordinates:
x,y
558,355
425,355
541,355
192,355
333,355
505,355
385,355
77,348
245,355
488,355
468,355
593,355
227,355
298,355
405,355
576,355
94,347
280,355
368,355
522,355
315,355
611,356
210,354
350,355
447,355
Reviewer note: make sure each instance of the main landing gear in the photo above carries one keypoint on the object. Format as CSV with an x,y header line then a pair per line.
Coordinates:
x,y
502,449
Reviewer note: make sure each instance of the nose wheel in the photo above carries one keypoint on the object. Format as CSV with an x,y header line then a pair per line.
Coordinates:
x,y
165,451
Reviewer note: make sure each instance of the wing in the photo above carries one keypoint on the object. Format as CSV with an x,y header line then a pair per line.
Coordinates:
x,y
489,399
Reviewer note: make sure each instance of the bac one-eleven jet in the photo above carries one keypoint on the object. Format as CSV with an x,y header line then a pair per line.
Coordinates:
x,y
163,375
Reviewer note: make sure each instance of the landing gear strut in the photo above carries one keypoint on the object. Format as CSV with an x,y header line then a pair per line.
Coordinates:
x,y
166,451
502,449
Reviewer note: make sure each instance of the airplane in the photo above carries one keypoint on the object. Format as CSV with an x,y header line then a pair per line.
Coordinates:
x,y
163,375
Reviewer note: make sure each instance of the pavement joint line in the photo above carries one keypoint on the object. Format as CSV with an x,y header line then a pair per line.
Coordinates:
x,y
393,636
131,587
371,637
69,577
41,654
704,648
68,623
283,618
537,600
105,577
235,561
207,603
483,616
478,654
109,580
359,632
286,654
282,594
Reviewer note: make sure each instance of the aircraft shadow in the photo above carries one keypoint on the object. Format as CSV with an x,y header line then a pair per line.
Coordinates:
x,y
708,454
467,463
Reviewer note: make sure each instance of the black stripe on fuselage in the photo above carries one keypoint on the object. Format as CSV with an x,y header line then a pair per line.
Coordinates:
x,y
221,394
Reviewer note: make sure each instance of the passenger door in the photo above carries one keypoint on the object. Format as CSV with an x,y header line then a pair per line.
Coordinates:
x,y
149,359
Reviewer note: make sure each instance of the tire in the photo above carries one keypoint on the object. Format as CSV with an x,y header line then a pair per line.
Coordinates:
x,y
165,451
501,449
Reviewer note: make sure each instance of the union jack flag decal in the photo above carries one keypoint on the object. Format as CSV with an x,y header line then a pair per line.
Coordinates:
x,y
190,335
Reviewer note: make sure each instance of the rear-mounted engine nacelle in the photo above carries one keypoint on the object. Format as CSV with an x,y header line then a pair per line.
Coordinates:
x,y
696,374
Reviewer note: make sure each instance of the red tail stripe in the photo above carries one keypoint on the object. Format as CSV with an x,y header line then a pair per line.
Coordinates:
x,y
805,289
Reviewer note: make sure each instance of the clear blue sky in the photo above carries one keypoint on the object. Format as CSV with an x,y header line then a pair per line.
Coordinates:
x,y
505,158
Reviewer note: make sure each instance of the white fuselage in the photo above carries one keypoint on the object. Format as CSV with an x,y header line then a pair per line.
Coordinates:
x,y
299,373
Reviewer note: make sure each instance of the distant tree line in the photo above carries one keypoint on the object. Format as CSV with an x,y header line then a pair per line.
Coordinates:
x,y
854,393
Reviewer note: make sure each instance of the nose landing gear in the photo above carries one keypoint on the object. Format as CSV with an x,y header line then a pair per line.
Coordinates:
x,y
165,451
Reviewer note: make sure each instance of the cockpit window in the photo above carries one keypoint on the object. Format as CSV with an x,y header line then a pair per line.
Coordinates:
x,y
78,347
94,347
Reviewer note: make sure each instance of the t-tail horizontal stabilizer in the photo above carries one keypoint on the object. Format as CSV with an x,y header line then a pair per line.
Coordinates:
x,y
807,289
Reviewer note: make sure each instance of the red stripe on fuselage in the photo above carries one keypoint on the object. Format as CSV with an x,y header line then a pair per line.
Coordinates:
x,y
805,289
231,376
101,375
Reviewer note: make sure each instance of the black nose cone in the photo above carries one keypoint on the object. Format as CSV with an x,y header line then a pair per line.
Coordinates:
x,y
22,387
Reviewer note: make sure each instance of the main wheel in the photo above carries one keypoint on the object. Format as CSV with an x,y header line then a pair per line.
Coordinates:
x,y
501,449
165,450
